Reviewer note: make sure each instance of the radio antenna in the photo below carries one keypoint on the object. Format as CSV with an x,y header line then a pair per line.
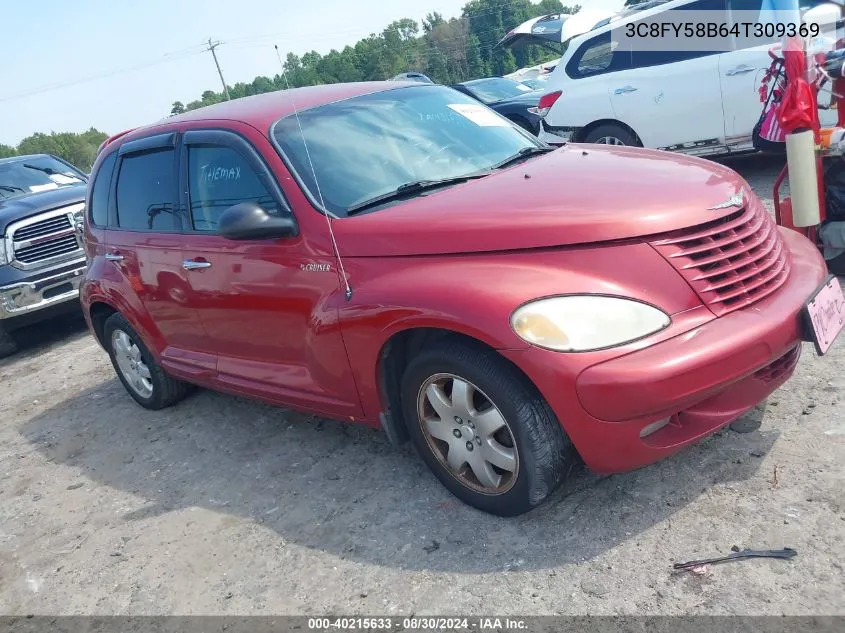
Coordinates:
x,y
348,289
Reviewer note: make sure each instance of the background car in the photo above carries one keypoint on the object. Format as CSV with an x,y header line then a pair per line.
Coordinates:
x,y
700,103
41,258
512,99
413,76
537,83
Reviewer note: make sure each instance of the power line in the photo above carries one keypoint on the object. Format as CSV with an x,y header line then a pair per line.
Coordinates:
x,y
94,77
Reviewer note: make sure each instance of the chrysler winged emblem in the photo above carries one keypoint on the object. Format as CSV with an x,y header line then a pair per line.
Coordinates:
x,y
738,200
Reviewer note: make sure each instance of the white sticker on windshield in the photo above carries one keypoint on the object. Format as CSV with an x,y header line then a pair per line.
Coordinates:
x,y
479,115
47,187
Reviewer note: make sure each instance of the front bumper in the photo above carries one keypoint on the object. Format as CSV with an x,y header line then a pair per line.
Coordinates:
x,y
25,297
701,379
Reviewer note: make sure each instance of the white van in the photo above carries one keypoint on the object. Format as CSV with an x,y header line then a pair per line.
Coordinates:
x,y
700,103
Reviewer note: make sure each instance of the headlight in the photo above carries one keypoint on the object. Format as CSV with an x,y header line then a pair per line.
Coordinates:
x,y
580,323
4,256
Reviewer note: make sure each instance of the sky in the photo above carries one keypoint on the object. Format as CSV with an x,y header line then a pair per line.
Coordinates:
x,y
115,65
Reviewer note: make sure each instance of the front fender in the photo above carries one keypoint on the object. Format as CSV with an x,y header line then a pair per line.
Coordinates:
x,y
475,295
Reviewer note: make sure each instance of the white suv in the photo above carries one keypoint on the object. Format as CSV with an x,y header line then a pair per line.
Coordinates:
x,y
694,102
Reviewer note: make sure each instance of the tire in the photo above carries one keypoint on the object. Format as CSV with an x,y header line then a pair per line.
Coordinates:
x,y
602,133
8,345
156,390
531,444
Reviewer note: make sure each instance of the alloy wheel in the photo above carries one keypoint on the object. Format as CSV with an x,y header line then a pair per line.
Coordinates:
x,y
131,364
609,140
468,434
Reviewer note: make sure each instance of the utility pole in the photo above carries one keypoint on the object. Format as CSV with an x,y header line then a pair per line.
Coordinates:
x,y
211,47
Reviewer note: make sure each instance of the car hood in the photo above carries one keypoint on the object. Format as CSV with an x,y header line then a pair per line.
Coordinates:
x,y
14,209
578,194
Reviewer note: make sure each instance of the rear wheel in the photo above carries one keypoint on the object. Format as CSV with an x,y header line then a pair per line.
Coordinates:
x,y
8,345
611,134
139,372
484,431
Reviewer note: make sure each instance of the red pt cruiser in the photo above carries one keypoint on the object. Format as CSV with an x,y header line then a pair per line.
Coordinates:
x,y
401,256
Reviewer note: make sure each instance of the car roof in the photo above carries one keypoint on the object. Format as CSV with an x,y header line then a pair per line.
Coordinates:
x,y
261,111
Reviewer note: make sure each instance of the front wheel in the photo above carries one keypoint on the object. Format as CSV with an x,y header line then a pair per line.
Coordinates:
x,y
483,429
611,134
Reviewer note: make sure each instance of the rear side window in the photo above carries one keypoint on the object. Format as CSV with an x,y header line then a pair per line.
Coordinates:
x,y
146,191
218,178
596,57
99,203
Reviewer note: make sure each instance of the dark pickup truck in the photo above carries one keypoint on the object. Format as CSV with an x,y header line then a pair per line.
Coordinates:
x,y
41,259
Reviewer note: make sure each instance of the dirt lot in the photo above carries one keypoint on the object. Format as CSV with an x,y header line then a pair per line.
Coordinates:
x,y
223,506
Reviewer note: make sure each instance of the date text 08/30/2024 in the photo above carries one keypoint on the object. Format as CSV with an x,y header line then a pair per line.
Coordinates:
x,y
420,623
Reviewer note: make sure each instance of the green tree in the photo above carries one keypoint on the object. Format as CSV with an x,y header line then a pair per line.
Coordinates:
x,y
476,68
178,107
437,66
78,149
7,150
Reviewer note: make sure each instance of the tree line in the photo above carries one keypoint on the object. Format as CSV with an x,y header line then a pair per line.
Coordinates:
x,y
79,150
448,51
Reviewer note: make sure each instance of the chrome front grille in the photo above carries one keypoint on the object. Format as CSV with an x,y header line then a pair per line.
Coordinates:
x,y
45,239
732,262
43,227
47,250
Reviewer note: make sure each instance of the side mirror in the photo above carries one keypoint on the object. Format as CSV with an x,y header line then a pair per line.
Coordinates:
x,y
248,221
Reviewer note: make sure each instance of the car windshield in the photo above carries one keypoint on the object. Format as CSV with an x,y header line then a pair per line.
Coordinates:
x,y
372,145
27,175
496,89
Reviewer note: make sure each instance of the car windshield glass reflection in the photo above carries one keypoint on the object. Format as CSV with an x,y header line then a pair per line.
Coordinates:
x,y
369,146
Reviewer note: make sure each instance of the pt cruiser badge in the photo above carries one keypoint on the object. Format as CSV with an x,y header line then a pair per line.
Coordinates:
x,y
316,268
737,201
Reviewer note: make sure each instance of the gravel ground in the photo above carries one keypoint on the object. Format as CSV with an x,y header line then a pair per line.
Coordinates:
x,y
224,506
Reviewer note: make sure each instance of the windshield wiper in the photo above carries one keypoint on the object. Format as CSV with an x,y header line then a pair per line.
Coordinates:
x,y
411,188
525,152
11,188
52,172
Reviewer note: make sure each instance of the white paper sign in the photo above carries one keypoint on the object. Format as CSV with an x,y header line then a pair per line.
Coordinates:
x,y
47,187
61,179
479,115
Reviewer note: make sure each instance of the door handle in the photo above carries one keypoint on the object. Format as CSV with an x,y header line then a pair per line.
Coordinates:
x,y
625,90
740,70
114,257
191,264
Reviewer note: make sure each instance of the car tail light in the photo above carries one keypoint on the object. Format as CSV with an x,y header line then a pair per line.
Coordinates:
x,y
546,103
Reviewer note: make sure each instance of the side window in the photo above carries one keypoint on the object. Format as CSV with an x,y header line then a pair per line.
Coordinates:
x,y
218,178
597,57
99,203
146,191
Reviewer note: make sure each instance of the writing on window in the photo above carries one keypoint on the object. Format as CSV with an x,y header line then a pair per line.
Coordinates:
x,y
218,178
